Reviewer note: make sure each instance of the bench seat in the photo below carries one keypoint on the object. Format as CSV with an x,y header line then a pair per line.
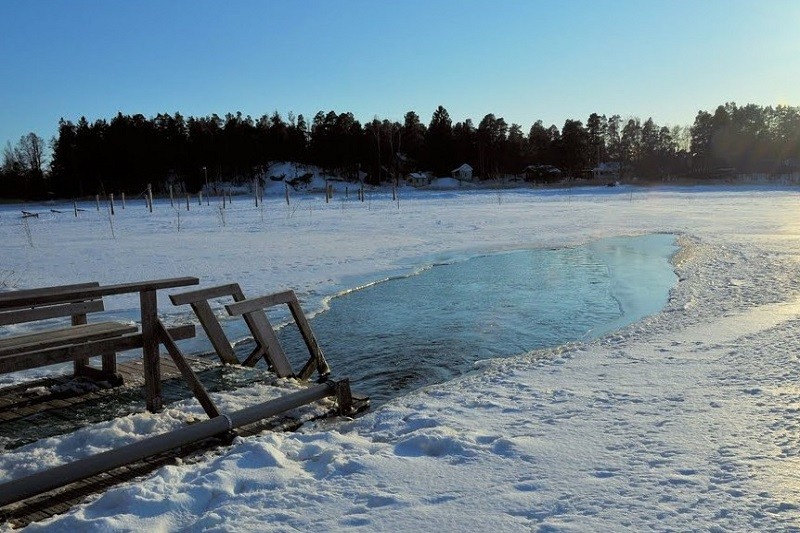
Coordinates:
x,y
26,359
59,337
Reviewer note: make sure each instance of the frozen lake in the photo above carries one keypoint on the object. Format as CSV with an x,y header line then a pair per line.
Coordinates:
x,y
685,420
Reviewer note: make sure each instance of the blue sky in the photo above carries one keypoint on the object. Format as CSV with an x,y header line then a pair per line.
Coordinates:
x,y
522,60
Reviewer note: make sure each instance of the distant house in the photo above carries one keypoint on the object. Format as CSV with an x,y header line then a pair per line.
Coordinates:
x,y
462,173
610,170
542,173
418,179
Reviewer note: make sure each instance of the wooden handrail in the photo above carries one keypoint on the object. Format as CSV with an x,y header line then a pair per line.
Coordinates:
x,y
261,302
33,293
205,294
66,293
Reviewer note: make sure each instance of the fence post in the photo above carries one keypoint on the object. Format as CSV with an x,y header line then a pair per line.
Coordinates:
x,y
97,201
75,207
150,196
171,204
123,201
187,201
111,202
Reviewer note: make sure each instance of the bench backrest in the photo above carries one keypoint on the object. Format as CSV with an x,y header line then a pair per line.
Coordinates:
x,y
16,307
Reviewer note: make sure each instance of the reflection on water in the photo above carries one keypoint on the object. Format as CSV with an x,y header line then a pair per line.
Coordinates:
x,y
406,333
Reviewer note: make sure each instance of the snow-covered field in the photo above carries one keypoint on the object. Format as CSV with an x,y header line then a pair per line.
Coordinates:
x,y
687,420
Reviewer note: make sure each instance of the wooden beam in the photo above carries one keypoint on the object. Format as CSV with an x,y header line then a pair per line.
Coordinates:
x,y
19,316
79,364
61,354
39,291
254,356
64,336
344,398
187,372
317,361
214,331
150,357
204,294
265,336
262,302
60,294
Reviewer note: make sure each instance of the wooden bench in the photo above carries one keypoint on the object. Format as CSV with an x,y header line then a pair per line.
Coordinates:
x,y
81,340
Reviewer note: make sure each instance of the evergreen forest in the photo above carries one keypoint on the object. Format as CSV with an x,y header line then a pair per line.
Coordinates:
x,y
127,152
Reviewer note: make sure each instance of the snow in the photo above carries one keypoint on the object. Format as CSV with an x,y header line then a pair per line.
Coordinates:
x,y
685,420
445,183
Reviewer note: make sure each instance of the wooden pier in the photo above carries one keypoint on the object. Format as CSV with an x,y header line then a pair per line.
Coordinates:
x,y
27,408
63,392
19,404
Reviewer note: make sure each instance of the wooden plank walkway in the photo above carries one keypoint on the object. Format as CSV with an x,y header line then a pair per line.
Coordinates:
x,y
24,400
33,397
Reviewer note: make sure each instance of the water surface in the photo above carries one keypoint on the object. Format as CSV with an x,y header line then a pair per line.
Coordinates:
x,y
405,333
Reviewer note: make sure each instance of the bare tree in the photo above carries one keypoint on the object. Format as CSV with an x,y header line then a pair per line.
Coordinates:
x,y
30,153
10,161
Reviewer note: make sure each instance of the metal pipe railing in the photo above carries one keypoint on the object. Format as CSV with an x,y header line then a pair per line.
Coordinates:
x,y
59,476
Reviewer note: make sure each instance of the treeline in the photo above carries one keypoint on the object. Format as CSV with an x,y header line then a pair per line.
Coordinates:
x,y
128,152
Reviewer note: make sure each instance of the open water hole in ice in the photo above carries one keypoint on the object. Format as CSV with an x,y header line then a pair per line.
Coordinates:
x,y
408,332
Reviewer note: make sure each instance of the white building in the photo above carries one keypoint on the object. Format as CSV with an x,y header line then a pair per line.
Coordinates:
x,y
418,179
462,173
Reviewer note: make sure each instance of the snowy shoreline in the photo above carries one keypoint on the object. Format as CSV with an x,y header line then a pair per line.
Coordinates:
x,y
686,420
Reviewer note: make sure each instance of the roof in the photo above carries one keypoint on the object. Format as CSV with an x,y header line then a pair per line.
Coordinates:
x,y
464,167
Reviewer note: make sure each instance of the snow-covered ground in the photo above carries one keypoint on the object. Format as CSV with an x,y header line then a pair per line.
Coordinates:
x,y
687,420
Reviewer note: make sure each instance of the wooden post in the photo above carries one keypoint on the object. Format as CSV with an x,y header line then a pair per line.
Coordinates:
x,y
150,357
150,196
200,198
123,201
75,207
255,191
327,192
80,364
394,193
286,185
187,201
111,202
97,201
171,204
